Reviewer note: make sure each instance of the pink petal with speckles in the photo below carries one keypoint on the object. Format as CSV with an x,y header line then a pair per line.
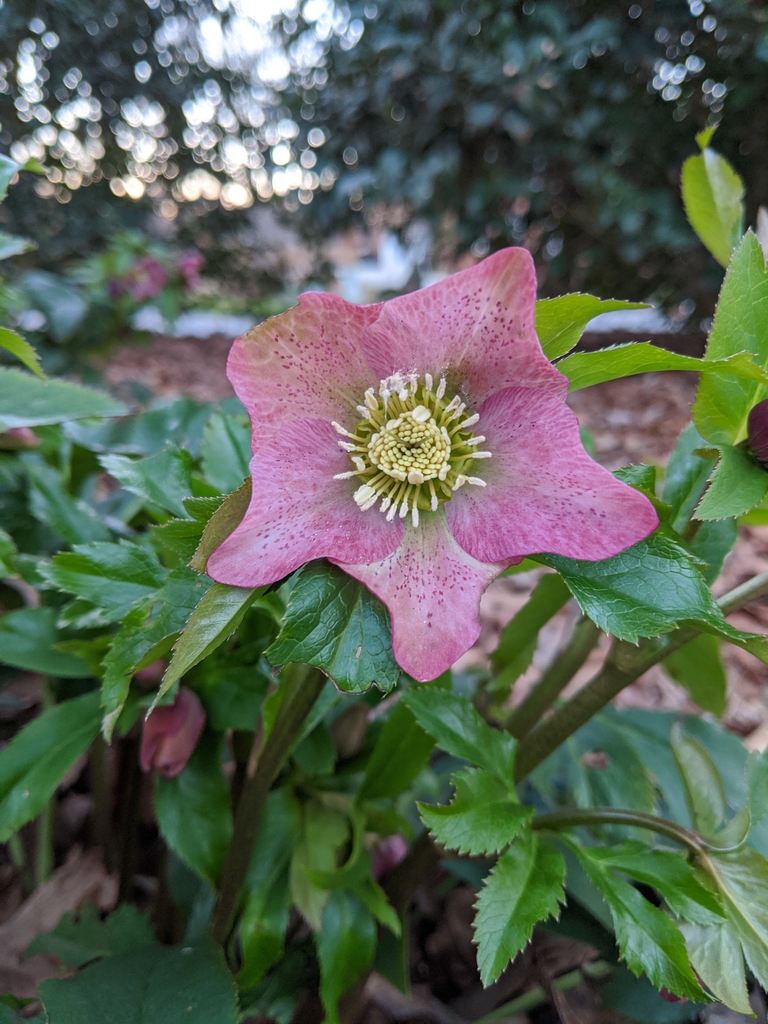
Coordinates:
x,y
543,493
476,326
299,512
307,362
432,590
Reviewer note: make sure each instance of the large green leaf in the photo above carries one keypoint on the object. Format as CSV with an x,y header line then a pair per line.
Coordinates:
x,y
697,667
345,947
459,730
716,956
646,590
27,639
193,810
180,424
702,783
738,483
26,401
483,816
147,633
15,344
741,325
226,451
685,477
216,617
335,623
649,941
64,307
583,369
160,479
37,759
401,751
268,898
78,940
518,639
187,984
525,887
70,518
742,878
224,520
712,196
560,322
324,833
111,576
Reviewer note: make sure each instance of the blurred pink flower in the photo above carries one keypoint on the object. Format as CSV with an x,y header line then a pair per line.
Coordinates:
x,y
423,445
386,855
190,265
669,997
144,280
170,734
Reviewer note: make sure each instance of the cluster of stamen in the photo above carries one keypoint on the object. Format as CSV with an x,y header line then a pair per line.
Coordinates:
x,y
411,450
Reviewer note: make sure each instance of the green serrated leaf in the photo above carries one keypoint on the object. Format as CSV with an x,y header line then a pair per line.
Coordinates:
x,y
584,369
738,483
740,325
483,816
685,477
716,956
193,811
742,879
525,887
113,577
78,940
649,941
15,344
162,479
180,424
36,760
223,521
697,667
70,518
214,620
459,730
713,196
560,322
187,984
332,621
644,591
702,782
324,831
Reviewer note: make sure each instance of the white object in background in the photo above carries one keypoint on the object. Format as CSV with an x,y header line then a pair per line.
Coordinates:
x,y
365,280
202,323
636,321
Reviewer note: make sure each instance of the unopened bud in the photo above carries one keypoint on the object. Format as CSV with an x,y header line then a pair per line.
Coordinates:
x,y
757,432
386,855
170,735
670,997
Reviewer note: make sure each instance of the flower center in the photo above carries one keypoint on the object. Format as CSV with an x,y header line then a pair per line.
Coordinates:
x,y
412,449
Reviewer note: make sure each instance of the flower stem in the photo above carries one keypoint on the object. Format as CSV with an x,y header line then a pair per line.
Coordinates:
x,y
555,678
301,687
625,663
585,817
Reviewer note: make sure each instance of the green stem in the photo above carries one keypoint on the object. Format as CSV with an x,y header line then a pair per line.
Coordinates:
x,y
530,1000
555,678
625,663
585,817
100,778
16,850
301,687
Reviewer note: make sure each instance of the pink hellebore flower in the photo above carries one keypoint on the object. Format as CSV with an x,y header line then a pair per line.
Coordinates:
x,y
145,279
423,445
190,265
170,734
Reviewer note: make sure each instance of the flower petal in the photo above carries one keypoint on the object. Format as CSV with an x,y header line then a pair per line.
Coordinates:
x,y
477,326
432,590
306,362
299,512
543,493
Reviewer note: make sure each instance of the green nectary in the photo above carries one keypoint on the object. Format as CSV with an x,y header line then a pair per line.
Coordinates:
x,y
412,448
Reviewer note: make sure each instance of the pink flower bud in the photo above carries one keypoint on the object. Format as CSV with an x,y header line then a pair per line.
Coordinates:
x,y
386,855
170,734
757,432
19,437
190,265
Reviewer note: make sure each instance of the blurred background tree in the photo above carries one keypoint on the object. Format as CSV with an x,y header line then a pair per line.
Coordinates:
x,y
557,124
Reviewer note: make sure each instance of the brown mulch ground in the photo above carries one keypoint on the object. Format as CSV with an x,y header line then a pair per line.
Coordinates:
x,y
634,420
